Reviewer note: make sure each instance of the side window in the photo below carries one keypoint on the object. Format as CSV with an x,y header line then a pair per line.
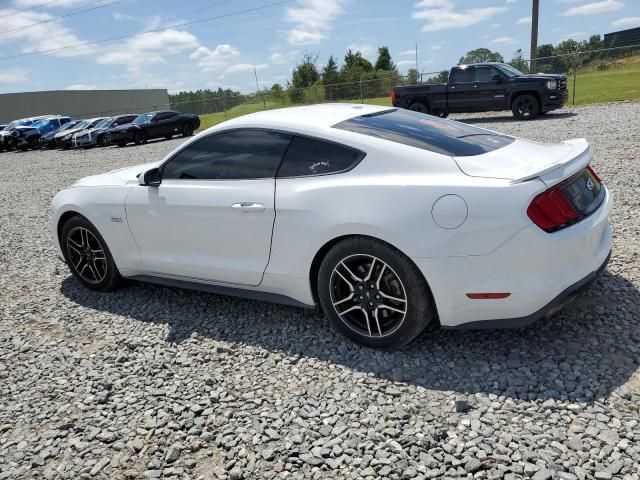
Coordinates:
x,y
165,116
464,75
64,120
307,156
233,155
484,74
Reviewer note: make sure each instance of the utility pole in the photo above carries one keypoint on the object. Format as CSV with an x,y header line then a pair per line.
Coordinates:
x,y
255,72
417,56
534,36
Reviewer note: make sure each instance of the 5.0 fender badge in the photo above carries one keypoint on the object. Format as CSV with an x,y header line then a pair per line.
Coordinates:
x,y
116,219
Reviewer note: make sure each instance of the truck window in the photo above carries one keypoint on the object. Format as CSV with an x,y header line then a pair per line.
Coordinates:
x,y
427,132
484,74
464,75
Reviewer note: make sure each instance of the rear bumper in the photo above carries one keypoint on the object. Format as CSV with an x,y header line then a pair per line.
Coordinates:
x,y
539,270
553,307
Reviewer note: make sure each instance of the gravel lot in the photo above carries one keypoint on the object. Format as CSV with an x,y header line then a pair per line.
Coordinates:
x,y
156,382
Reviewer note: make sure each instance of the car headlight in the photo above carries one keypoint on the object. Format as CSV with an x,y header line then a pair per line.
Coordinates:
x,y
552,84
67,137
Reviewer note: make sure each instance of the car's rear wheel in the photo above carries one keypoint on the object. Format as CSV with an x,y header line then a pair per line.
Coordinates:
x,y
187,130
525,107
140,138
87,255
373,294
419,107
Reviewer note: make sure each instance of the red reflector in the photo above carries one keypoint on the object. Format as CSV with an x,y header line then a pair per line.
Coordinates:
x,y
594,174
487,296
393,96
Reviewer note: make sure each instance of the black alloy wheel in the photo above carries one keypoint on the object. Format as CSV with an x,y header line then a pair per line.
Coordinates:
x,y
373,294
525,107
87,255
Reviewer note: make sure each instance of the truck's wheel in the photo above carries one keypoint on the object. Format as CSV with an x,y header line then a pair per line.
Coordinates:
x,y
419,107
525,107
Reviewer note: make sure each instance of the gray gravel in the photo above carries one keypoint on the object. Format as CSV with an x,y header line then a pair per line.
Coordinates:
x,y
153,382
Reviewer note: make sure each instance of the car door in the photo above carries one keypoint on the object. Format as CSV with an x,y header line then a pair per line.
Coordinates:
x,y
211,218
460,92
489,93
163,124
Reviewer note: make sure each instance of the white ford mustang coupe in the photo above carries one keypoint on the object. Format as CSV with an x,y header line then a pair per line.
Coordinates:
x,y
387,218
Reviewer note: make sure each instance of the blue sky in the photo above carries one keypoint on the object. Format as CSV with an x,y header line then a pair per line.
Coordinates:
x,y
222,52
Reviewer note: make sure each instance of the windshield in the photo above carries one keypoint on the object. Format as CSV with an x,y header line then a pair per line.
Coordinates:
x,y
104,123
69,125
144,118
95,122
427,132
41,123
82,124
509,71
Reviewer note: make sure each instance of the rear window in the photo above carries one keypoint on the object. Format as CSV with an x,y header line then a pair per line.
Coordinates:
x,y
427,132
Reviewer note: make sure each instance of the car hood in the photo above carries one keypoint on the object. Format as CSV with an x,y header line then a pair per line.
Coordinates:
x,y
540,76
64,133
523,159
122,176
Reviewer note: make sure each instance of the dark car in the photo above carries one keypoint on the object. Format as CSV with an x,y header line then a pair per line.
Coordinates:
x,y
63,139
485,87
146,126
28,136
97,135
48,140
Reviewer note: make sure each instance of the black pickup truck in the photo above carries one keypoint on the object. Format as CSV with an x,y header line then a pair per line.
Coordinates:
x,y
485,87
165,123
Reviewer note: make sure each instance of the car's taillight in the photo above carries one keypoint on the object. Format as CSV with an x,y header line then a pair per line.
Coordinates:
x,y
551,211
393,96
568,202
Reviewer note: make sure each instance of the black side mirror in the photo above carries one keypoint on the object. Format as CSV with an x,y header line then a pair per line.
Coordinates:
x,y
497,78
150,178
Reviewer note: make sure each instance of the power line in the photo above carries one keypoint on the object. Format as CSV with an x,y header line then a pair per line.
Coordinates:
x,y
121,37
30,8
75,12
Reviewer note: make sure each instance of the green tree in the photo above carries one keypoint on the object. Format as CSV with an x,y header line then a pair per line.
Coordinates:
x,y
519,62
481,55
412,76
277,93
304,75
384,60
442,77
330,73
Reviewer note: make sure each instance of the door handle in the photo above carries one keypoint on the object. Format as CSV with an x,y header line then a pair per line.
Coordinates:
x,y
475,86
248,207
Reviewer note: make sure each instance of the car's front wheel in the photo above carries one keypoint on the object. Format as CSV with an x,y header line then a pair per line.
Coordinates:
x,y
525,107
140,138
87,255
373,293
187,130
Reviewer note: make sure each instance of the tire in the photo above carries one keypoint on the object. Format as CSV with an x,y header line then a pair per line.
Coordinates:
x,y
187,130
419,107
101,141
525,107
392,277
88,256
140,138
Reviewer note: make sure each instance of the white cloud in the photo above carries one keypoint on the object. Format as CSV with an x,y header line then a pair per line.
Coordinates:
x,y
402,63
407,53
524,21
277,58
312,20
436,47
150,48
512,1
13,76
122,16
246,67
573,35
365,49
44,36
626,22
503,41
440,15
82,86
594,8
215,59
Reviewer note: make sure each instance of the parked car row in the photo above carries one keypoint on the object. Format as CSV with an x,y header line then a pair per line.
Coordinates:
x,y
62,131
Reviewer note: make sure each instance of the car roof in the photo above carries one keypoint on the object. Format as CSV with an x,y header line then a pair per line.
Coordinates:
x,y
310,116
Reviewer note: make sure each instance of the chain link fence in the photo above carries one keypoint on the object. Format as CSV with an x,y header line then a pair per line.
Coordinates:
x,y
592,76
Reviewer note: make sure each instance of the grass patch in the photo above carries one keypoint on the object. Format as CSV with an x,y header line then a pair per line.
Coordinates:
x,y
619,81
